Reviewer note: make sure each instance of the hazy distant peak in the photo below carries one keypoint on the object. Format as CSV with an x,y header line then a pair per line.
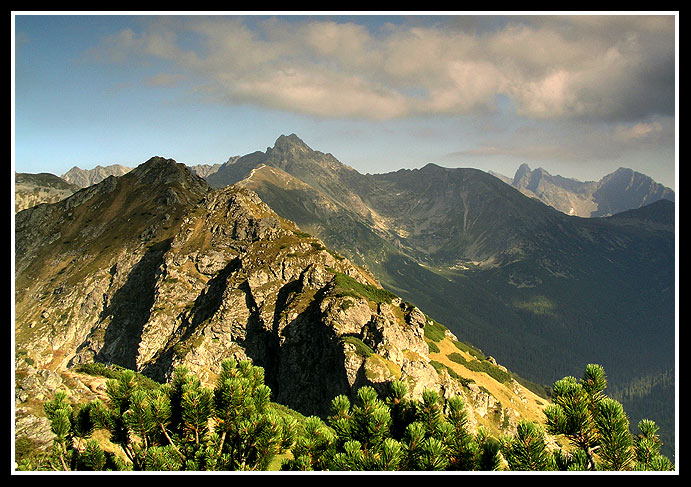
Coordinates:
x,y
430,166
621,190
522,171
88,177
527,179
290,143
631,176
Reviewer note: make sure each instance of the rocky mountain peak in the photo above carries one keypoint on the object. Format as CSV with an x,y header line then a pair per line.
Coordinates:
x,y
290,143
626,179
626,189
522,173
621,171
431,167
287,151
161,170
527,179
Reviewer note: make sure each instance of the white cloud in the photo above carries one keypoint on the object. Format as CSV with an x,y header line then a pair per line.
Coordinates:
x,y
318,93
551,96
638,131
561,67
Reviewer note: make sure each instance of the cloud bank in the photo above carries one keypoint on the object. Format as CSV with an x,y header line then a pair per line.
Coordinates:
x,y
612,68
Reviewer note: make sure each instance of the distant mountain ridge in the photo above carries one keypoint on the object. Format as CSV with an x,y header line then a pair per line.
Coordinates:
x,y
86,177
622,190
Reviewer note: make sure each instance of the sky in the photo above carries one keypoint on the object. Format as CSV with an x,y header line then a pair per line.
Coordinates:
x,y
579,94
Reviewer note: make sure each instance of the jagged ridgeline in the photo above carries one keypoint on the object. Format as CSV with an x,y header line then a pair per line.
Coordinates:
x,y
155,269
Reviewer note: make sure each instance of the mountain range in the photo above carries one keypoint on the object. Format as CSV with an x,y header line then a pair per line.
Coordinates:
x,y
543,290
153,276
86,177
446,225
619,191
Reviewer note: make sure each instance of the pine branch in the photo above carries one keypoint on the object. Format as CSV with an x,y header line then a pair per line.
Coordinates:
x,y
165,433
220,446
62,461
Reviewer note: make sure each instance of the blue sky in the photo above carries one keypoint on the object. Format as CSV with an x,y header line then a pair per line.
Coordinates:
x,y
579,95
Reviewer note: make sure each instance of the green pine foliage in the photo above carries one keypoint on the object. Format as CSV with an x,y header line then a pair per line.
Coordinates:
x,y
183,425
598,429
396,433
527,450
169,427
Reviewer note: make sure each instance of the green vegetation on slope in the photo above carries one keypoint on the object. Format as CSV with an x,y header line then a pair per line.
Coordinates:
x,y
345,285
185,426
435,332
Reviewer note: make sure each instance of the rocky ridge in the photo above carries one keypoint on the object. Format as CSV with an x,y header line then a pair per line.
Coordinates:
x,y
155,269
